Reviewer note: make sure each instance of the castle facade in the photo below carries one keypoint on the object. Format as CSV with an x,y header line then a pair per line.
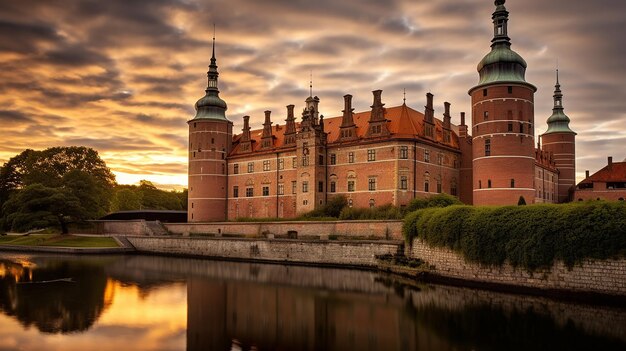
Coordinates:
x,y
387,155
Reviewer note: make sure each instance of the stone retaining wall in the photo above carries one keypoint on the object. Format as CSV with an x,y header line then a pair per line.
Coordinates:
x,y
361,253
117,227
604,277
389,230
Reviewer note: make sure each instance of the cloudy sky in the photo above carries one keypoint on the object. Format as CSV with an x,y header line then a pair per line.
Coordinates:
x,y
122,76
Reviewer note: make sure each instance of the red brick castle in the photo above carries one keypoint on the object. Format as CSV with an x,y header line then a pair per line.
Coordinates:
x,y
387,155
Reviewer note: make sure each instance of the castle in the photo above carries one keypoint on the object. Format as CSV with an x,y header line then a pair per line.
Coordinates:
x,y
387,155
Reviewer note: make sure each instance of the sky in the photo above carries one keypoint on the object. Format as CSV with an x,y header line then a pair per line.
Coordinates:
x,y
122,76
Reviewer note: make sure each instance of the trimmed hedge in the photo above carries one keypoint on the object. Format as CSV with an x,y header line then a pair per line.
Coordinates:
x,y
528,236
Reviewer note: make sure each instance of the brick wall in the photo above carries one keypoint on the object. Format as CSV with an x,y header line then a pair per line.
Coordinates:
x,y
605,277
359,253
391,230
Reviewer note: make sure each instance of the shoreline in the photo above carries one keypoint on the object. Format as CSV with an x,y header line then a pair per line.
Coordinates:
x,y
416,275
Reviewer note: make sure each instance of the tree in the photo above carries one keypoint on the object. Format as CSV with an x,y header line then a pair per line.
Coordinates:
x,y
72,172
126,199
38,206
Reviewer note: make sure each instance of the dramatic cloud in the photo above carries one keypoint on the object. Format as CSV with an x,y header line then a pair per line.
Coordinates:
x,y
122,77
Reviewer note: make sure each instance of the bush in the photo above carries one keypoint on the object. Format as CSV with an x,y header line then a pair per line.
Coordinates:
x,y
527,236
373,213
439,200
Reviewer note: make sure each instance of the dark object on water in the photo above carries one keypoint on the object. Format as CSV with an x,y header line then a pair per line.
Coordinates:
x,y
62,280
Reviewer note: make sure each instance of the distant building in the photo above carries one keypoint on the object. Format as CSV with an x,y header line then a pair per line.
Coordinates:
x,y
609,183
387,155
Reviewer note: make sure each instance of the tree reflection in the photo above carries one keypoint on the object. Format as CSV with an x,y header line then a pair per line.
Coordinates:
x,y
40,297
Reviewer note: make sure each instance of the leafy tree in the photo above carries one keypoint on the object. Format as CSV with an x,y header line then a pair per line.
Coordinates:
x,y
126,199
38,206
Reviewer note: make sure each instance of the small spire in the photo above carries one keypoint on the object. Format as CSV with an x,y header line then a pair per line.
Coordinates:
x,y
311,83
213,55
404,97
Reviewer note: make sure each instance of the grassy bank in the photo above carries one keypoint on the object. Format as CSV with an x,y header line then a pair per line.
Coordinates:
x,y
57,240
528,236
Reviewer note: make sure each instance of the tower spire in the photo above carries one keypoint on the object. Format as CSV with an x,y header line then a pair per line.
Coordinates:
x,y
311,83
211,106
558,122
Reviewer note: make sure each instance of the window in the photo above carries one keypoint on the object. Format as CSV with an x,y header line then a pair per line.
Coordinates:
x,y
266,191
439,186
320,187
333,159
371,184
510,128
489,183
486,115
350,185
404,152
439,159
281,189
212,140
294,162
350,202
250,167
321,160
510,88
404,184
426,187
521,127
371,155
281,163
294,187
512,183
236,168
484,92
487,147
305,161
249,192
453,190
480,184
266,165
333,187
426,156
351,157
305,187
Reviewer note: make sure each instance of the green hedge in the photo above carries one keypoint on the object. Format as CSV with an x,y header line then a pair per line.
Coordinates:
x,y
528,236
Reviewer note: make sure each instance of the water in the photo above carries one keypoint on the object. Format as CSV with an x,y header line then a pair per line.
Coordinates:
x,y
159,303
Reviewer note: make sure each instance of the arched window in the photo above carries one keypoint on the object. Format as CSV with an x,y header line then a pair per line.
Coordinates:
x,y
489,183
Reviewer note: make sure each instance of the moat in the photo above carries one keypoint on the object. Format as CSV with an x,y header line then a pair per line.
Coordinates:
x,y
54,302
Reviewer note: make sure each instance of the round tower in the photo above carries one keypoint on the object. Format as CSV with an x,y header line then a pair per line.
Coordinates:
x,y
210,141
502,123
560,140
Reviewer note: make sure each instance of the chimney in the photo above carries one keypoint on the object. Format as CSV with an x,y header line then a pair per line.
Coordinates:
x,y
610,162
446,115
246,122
347,102
463,126
347,120
290,114
377,97
586,174
429,100
429,112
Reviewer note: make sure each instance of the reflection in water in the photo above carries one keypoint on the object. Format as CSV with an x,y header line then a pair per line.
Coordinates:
x,y
59,297
168,303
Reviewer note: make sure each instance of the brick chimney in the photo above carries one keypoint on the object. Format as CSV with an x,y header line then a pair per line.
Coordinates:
x,y
610,162
462,126
586,174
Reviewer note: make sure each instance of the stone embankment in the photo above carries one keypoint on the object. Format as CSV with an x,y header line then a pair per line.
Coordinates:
x,y
592,276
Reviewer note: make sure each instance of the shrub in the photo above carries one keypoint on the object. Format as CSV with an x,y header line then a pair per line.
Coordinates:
x,y
527,236
439,200
380,212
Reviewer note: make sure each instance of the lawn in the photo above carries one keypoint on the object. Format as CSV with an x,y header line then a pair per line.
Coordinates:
x,y
57,240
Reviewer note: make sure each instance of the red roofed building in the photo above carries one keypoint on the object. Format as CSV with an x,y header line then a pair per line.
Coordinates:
x,y
609,183
386,155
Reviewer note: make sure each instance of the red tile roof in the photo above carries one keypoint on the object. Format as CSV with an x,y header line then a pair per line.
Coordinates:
x,y
616,172
402,121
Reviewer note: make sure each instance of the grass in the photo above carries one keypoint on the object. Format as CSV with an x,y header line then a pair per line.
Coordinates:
x,y
57,240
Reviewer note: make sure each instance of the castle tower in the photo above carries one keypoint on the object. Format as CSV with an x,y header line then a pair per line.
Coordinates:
x,y
560,140
311,153
210,140
502,123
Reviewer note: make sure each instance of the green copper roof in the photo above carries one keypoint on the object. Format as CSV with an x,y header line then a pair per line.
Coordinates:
x,y
211,106
558,122
501,64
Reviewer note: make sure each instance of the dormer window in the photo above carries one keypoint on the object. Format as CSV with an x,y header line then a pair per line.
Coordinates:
x,y
500,30
558,102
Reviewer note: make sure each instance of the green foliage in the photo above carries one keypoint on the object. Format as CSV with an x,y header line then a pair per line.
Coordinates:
x,y
146,196
527,236
439,200
37,206
75,171
521,201
331,209
373,213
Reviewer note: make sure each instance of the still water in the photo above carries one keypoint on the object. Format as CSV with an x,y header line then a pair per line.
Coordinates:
x,y
120,303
